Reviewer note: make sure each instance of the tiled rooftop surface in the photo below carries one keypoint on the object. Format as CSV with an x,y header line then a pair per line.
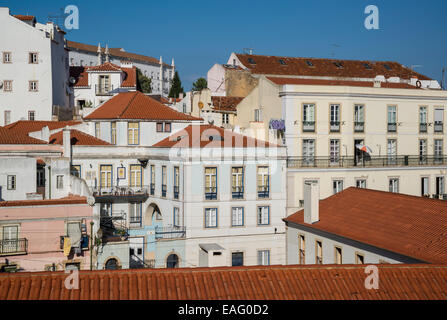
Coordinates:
x,y
16,137
81,74
45,202
226,103
27,126
78,138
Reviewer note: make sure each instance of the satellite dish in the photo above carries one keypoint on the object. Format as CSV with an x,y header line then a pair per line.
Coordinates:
x,y
91,201
72,80
200,105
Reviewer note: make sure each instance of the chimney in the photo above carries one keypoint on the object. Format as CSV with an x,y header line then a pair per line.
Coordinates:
x,y
67,142
107,53
99,54
311,202
45,134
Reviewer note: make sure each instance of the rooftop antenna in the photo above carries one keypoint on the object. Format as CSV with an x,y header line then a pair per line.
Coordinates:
x,y
248,51
415,66
443,87
333,51
57,19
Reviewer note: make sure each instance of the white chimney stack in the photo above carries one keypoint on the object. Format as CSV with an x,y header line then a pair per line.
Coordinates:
x,y
311,202
45,134
66,142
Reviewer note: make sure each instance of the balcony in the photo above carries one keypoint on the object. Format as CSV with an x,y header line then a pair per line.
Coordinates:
x,y
120,194
163,190
13,247
392,126
103,90
353,162
152,189
211,193
263,191
135,222
335,126
359,126
176,192
422,127
169,233
238,192
439,126
308,126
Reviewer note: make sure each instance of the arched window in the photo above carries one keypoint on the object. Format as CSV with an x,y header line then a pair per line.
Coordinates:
x,y
112,264
172,261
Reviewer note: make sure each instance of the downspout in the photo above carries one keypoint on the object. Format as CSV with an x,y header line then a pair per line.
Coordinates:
x,y
49,183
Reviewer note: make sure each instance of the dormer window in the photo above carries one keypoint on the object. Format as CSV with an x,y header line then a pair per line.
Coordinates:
x,y
309,63
387,66
339,65
282,62
367,66
250,60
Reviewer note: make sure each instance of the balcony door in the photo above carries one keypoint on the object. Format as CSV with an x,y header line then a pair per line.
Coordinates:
x,y
392,151
105,177
136,171
103,83
10,239
359,155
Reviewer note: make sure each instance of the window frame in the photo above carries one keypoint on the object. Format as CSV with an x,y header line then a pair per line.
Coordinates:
x,y
259,218
265,192
11,184
31,56
213,194
9,54
32,88
242,215
132,139
207,219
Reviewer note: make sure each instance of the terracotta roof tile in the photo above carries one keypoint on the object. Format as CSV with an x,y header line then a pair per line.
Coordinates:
x,y
81,74
78,138
412,226
45,202
27,126
226,103
326,67
13,137
322,82
137,105
24,17
330,282
206,135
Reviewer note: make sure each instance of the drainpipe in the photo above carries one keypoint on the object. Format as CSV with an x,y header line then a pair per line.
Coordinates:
x,y
49,182
91,245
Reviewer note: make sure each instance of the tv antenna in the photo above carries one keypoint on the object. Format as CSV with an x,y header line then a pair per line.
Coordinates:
x,y
248,51
58,18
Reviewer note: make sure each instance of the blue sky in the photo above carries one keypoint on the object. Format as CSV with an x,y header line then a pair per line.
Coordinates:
x,y
200,33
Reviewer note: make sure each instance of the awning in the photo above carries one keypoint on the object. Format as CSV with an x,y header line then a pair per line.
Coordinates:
x,y
211,247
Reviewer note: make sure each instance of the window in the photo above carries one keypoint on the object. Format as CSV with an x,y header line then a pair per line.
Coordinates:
x,y
318,252
367,66
10,243
334,151
387,67
113,132
263,215
282,62
98,130
176,182
392,119
76,171
423,119
438,148
176,217
105,180
159,126
334,118
337,186
60,182
360,183
392,151
11,182
211,218
136,175
7,117
74,233
338,256
135,215
237,182
394,185
41,177
439,120
264,257
33,57
7,85
172,261
422,151
424,187
250,60
308,151
152,179
167,127
359,118
237,216
103,84
7,57
309,63
33,86
440,190
308,117
237,259
302,249
258,115
359,258
31,115
339,65
163,181
133,133
263,182
211,183
225,118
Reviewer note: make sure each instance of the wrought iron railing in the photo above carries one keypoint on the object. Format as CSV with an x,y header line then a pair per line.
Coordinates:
x,y
335,126
176,192
135,221
13,246
238,192
120,190
392,126
359,126
103,90
171,232
163,190
263,191
152,189
308,126
439,126
379,161
211,193
422,127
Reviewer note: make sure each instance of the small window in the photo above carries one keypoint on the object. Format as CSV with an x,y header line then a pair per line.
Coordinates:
x,y
237,259
339,65
360,183
97,130
359,258
367,66
159,126
237,216
7,117
33,57
337,186
302,249
264,257
60,182
7,85
318,252
309,63
338,256
167,127
31,115
211,218
263,215
7,57
11,182
33,87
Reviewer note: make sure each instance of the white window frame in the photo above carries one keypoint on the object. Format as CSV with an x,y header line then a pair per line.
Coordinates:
x,y
264,257
11,182
211,218
263,215
237,216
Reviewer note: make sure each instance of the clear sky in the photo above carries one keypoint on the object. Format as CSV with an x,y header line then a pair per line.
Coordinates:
x,y
198,34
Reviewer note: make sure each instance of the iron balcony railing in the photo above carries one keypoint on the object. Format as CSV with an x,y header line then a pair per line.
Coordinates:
x,y
171,232
135,222
238,192
335,126
392,126
263,191
439,126
211,193
379,161
422,127
152,189
103,90
359,126
309,126
176,192
13,246
120,191
163,190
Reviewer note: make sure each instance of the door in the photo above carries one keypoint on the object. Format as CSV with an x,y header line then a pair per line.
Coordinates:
x,y
10,239
136,248
105,178
358,154
135,176
392,151
424,186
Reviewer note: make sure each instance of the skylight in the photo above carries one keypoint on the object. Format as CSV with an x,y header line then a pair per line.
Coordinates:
x,y
338,65
367,66
309,63
250,60
281,61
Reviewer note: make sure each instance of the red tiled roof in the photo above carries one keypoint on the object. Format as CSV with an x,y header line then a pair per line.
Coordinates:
x,y
44,202
24,17
198,136
137,105
226,103
27,126
322,82
113,52
336,282
81,74
14,137
169,100
78,138
412,226
326,67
